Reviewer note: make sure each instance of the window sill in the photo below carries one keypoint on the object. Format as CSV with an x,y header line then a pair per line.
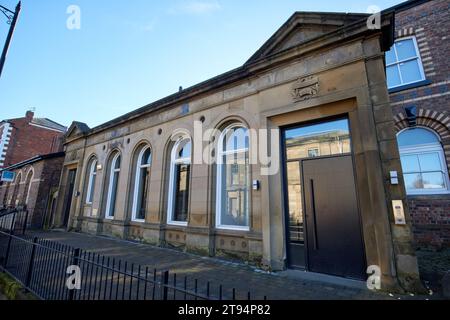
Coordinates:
x,y
178,224
429,196
138,220
409,86
232,228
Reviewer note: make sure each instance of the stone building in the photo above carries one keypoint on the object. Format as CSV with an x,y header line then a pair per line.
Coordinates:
x,y
418,71
35,186
327,207
26,137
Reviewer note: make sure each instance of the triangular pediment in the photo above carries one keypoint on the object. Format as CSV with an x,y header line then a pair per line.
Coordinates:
x,y
303,27
77,129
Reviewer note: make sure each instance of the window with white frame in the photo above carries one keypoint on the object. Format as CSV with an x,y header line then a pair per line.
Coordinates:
x,y
180,172
15,197
92,174
423,162
5,196
141,181
233,179
313,153
403,63
113,180
28,186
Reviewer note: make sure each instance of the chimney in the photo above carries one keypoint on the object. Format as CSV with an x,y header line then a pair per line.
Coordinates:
x,y
29,115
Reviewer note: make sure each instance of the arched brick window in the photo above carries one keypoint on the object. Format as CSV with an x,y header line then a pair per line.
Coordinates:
x,y
5,197
423,161
438,122
26,190
15,197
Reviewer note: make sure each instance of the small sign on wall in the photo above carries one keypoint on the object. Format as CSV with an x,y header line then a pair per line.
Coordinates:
x,y
399,213
8,176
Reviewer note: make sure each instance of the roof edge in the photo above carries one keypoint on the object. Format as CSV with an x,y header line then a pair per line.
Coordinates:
x,y
33,160
213,83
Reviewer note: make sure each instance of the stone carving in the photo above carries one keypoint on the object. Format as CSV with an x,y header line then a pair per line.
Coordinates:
x,y
305,88
115,145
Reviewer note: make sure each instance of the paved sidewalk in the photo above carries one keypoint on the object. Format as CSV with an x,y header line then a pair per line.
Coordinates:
x,y
231,275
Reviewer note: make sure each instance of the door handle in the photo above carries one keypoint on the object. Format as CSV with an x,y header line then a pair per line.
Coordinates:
x,y
313,207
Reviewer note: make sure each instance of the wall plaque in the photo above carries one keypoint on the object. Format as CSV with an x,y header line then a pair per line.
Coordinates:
x,y
305,88
399,212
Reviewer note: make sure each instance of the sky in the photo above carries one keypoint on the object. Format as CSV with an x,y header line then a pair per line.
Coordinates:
x,y
127,54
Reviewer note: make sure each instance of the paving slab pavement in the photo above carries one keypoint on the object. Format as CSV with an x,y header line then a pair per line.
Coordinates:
x,y
276,286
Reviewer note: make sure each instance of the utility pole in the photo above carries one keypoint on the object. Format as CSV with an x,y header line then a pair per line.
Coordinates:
x,y
12,20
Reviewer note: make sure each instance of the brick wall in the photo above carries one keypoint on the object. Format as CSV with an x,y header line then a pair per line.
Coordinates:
x,y
45,180
431,221
28,141
50,175
429,24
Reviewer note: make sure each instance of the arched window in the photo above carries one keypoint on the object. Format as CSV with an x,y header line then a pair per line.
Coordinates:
x,y
180,172
27,188
113,179
233,179
423,162
141,181
92,175
15,196
5,197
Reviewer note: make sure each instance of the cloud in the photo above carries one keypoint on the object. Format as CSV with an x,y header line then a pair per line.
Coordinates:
x,y
145,26
196,7
148,27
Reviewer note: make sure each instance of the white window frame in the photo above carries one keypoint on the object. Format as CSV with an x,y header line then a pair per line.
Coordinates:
x,y
16,190
92,173
424,149
29,187
139,167
112,175
173,162
220,155
314,149
397,63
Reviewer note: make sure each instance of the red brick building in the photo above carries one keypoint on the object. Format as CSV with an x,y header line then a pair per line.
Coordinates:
x,y
35,185
24,138
418,81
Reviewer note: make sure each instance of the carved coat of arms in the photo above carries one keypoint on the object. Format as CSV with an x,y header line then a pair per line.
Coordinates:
x,y
305,88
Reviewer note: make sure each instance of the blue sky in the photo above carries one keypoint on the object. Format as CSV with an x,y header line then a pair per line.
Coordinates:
x,y
130,53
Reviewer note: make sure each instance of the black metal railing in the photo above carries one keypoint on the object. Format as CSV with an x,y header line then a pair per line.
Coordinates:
x,y
41,266
14,219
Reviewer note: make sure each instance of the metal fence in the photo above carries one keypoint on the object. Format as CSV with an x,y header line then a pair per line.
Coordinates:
x,y
15,219
41,266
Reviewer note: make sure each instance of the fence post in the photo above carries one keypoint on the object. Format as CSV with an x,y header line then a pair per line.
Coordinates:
x,y
8,248
31,264
75,262
164,284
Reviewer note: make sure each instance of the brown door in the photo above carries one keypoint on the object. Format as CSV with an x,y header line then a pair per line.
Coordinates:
x,y
69,195
334,240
